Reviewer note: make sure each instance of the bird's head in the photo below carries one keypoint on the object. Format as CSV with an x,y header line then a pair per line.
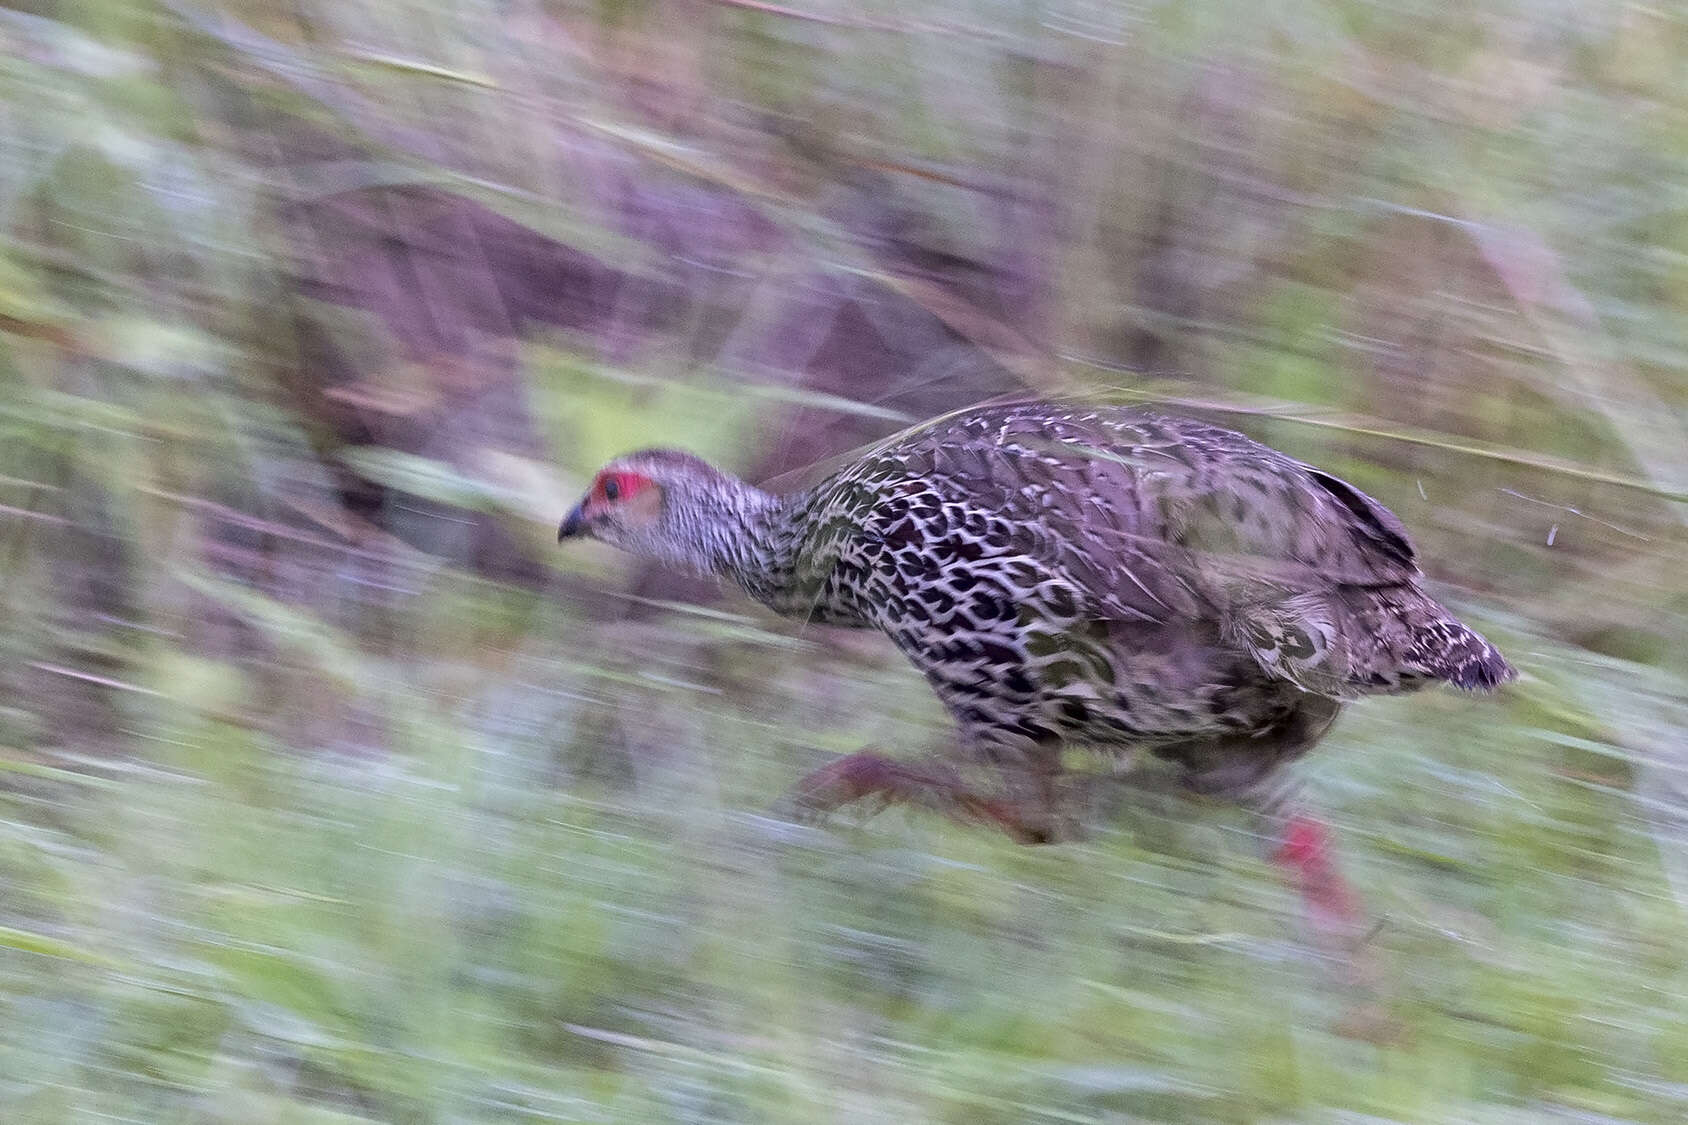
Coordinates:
x,y
665,505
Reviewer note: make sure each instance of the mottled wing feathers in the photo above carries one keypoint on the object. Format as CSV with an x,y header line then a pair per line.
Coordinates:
x,y
1154,520
1068,499
1150,485
1373,524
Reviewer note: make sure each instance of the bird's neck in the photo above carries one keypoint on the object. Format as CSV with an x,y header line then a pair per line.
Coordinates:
x,y
751,540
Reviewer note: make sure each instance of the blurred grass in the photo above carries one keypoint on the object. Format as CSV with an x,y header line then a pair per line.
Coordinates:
x,y
366,837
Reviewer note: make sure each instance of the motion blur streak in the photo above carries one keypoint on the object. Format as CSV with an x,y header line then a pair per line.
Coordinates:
x,y
332,790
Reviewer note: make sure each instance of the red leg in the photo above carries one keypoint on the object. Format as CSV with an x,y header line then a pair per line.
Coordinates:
x,y
1304,850
1339,924
932,784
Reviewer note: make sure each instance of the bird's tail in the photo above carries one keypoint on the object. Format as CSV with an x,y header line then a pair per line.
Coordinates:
x,y
1369,640
1442,648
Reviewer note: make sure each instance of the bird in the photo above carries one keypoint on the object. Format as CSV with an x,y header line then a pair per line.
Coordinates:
x,y
1069,574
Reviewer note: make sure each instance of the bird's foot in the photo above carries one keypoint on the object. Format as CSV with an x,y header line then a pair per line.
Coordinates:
x,y
843,781
1340,926
868,774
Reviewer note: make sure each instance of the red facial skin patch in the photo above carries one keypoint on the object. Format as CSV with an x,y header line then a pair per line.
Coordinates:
x,y
616,488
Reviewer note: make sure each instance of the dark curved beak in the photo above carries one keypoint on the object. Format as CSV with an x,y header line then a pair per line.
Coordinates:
x,y
571,526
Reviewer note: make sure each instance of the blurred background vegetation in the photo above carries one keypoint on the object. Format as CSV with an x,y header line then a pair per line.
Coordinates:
x,y
331,791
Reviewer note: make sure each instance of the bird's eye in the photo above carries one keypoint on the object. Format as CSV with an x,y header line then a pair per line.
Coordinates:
x,y
613,488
